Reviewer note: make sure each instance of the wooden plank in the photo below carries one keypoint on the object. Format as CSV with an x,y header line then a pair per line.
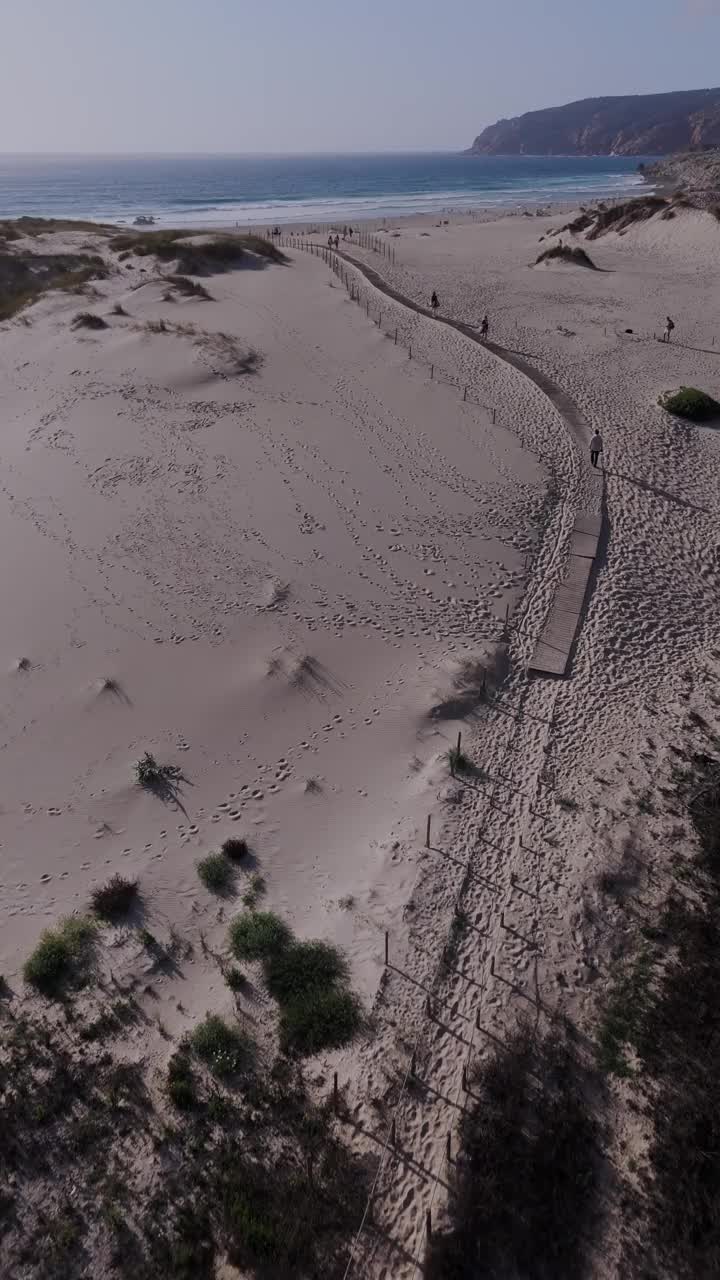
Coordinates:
x,y
549,661
583,544
588,522
553,648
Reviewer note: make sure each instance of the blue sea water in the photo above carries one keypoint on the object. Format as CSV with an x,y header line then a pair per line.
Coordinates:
x,y
215,190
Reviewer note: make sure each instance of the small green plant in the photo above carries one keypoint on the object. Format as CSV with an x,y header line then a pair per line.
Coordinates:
x,y
321,1019
115,899
624,1014
216,873
688,402
572,254
154,776
181,1081
303,967
258,934
254,891
86,320
235,848
458,762
189,288
58,957
224,1049
235,979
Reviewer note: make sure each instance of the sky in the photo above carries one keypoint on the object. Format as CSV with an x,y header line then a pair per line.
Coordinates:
x,y
291,76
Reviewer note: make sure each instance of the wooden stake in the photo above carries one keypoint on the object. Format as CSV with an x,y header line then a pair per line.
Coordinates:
x,y
492,966
493,417
465,394
459,742
432,371
393,1133
427,833
387,946
448,1148
464,1080
428,1223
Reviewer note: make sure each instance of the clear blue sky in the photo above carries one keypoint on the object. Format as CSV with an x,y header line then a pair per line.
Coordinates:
x,y
316,75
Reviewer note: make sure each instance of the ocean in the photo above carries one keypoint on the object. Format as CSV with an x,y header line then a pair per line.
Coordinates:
x,y
216,190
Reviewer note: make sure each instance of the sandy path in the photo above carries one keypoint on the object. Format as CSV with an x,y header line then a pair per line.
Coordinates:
x,y
453,991
652,626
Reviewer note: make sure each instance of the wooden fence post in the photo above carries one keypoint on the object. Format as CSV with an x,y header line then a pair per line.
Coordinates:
x,y
427,833
387,946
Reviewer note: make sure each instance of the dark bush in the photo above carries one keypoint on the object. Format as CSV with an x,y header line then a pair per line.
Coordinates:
x,y
57,958
303,967
189,288
216,873
321,1019
222,1048
688,402
235,848
114,900
572,254
181,1082
258,934
86,320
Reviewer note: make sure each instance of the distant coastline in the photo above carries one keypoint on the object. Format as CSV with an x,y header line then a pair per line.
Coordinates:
x,y
207,191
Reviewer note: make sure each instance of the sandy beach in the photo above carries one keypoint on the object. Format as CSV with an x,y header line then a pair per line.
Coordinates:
x,y
273,537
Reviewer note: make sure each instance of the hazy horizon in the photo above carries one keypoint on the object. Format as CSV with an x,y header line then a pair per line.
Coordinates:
x,y
184,79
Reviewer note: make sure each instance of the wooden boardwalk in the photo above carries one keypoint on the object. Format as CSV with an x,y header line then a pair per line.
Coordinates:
x,y
555,644
553,649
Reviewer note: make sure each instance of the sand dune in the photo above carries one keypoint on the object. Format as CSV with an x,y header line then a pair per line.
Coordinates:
x,y
252,573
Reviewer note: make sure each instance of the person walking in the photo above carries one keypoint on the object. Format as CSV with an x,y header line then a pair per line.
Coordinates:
x,y
596,448
669,326
434,301
484,327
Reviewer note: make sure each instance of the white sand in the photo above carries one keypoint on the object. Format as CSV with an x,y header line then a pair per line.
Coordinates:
x,y
154,511
576,766
193,535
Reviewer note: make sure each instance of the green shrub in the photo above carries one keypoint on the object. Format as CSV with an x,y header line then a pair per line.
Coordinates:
x,y
572,254
154,776
181,1082
224,1049
216,873
258,934
86,320
58,956
113,900
303,967
458,762
235,979
218,252
189,288
690,403
320,1019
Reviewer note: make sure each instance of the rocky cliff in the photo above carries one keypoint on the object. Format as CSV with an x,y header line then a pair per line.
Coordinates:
x,y
647,124
692,171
